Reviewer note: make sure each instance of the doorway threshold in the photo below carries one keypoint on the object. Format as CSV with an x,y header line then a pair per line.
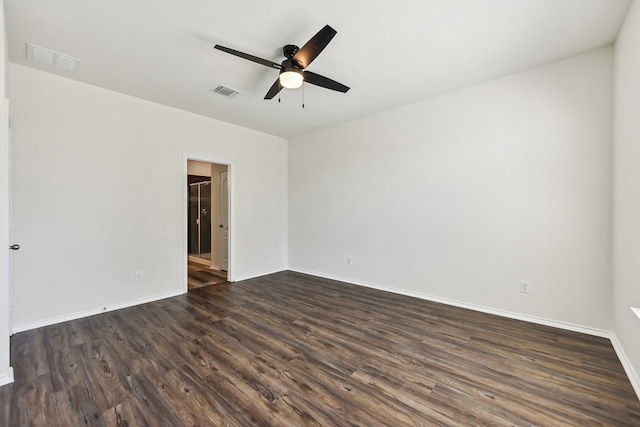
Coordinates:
x,y
199,260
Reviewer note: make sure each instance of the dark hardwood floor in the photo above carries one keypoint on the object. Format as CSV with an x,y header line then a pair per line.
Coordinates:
x,y
294,350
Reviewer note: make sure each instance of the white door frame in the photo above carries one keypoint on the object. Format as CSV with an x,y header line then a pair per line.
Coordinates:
x,y
185,213
10,213
6,372
223,232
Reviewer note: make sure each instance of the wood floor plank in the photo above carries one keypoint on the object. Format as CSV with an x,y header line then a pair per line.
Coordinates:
x,y
29,405
147,388
200,275
33,355
128,414
296,350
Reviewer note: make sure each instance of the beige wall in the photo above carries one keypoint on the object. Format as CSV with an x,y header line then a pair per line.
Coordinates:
x,y
195,167
215,214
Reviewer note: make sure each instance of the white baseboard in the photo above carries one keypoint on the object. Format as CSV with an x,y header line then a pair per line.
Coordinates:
x,y
78,315
624,360
6,378
503,313
626,364
258,274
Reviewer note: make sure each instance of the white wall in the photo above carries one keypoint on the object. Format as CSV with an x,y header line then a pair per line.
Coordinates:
x,y
100,192
6,375
626,189
461,196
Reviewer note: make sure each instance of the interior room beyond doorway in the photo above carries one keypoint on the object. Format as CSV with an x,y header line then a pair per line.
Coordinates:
x,y
207,228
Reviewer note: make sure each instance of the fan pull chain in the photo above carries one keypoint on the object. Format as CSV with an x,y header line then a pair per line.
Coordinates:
x,y
303,94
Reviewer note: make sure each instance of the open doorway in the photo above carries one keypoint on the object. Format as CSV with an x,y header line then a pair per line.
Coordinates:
x,y
207,224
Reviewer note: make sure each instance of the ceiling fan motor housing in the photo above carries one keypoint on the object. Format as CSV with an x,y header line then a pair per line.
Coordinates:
x,y
288,64
289,50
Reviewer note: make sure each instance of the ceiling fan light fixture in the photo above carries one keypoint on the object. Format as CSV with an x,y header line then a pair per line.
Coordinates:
x,y
291,78
293,69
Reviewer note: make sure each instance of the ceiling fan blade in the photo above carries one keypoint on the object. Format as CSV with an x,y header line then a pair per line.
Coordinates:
x,y
313,47
252,58
273,91
325,82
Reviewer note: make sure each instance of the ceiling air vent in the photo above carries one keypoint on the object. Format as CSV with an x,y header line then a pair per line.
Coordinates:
x,y
225,91
51,58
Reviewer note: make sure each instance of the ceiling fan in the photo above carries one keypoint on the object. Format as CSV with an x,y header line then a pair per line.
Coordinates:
x,y
293,69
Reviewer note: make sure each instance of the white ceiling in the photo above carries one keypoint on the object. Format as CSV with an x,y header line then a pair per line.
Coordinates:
x,y
390,52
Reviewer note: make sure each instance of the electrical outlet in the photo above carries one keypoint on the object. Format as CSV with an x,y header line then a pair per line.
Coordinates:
x,y
525,286
138,276
349,260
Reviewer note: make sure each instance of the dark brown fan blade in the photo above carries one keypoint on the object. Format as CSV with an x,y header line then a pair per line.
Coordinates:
x,y
273,91
322,81
313,47
252,58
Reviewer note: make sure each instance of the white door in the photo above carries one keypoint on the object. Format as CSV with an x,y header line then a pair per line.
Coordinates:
x,y
223,236
13,246
6,373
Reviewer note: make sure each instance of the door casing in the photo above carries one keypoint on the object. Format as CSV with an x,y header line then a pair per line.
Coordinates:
x,y
185,213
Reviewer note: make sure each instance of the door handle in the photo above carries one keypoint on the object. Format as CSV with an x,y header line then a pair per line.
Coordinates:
x,y
14,247
221,226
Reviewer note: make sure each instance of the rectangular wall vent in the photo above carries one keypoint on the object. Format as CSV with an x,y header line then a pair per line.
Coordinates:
x,y
225,91
51,58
